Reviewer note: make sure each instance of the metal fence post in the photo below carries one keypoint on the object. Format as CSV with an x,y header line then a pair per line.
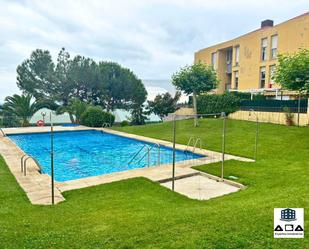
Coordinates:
x,y
256,138
223,144
174,143
52,158
298,109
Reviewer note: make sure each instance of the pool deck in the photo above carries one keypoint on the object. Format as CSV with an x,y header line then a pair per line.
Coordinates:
x,y
38,186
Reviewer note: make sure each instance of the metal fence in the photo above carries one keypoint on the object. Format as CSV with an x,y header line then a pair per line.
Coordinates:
x,y
272,105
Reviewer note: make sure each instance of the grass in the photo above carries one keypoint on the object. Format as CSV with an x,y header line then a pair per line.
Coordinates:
x,y
138,213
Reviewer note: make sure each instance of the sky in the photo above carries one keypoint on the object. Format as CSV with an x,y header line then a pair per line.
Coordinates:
x,y
154,38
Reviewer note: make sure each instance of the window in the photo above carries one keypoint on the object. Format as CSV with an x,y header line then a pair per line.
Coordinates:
x,y
264,49
274,45
262,77
214,60
272,70
229,55
237,48
236,79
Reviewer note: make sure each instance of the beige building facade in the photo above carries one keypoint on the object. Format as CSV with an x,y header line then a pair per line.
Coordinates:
x,y
248,62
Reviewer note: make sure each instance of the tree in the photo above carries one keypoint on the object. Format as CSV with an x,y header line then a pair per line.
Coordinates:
x,y
120,88
138,115
22,106
195,79
84,79
75,108
106,84
36,75
163,104
292,72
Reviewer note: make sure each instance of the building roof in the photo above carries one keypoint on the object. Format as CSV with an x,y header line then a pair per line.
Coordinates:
x,y
259,29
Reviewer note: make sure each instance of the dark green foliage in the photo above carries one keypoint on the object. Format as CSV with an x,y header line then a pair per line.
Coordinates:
x,y
197,78
105,83
94,116
75,108
36,75
120,87
109,118
214,103
138,115
163,104
124,123
22,107
293,71
7,119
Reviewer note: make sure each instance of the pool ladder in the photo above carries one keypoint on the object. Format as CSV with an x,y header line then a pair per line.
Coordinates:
x,y
195,142
147,153
105,125
3,134
23,163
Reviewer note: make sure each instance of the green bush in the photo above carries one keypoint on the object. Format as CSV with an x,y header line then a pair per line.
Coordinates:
x,y
109,118
94,116
124,123
218,103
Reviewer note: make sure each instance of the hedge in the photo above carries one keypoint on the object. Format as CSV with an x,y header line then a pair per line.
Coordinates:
x,y
94,116
217,103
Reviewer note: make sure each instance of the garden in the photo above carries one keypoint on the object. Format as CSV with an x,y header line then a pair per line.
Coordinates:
x,y
139,213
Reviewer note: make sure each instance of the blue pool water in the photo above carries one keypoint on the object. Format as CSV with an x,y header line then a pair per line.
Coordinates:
x,y
79,154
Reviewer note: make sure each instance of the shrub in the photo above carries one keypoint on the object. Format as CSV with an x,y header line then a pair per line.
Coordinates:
x,y
109,118
226,102
288,116
124,123
94,116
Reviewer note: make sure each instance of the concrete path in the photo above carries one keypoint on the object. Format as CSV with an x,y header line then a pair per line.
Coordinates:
x,y
201,187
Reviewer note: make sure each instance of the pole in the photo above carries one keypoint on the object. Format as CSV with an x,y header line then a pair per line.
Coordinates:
x,y
298,109
174,142
52,159
148,158
223,144
256,138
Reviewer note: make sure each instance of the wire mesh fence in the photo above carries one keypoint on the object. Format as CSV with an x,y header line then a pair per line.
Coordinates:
x,y
276,115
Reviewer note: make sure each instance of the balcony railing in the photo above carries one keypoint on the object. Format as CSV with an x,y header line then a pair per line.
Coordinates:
x,y
229,67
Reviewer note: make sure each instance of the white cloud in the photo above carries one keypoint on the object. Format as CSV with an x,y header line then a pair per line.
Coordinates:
x,y
153,38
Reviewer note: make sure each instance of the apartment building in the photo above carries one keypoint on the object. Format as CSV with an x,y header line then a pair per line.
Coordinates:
x,y
248,62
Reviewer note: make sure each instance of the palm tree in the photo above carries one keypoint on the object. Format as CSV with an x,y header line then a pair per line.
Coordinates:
x,y
75,108
21,106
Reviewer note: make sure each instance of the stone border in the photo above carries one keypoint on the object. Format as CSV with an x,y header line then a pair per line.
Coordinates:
x,y
37,186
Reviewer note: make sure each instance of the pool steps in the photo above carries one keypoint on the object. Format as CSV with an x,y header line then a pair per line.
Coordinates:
x,y
195,142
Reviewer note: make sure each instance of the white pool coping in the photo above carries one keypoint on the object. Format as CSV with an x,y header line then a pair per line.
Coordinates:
x,y
38,186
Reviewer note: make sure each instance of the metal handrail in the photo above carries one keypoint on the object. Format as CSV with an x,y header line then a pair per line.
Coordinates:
x,y
135,155
3,134
104,125
196,141
148,153
36,161
22,162
188,144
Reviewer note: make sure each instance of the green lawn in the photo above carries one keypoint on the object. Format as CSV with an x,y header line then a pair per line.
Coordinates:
x,y
138,213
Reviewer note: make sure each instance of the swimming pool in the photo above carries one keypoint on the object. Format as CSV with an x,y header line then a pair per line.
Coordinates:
x,y
80,154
